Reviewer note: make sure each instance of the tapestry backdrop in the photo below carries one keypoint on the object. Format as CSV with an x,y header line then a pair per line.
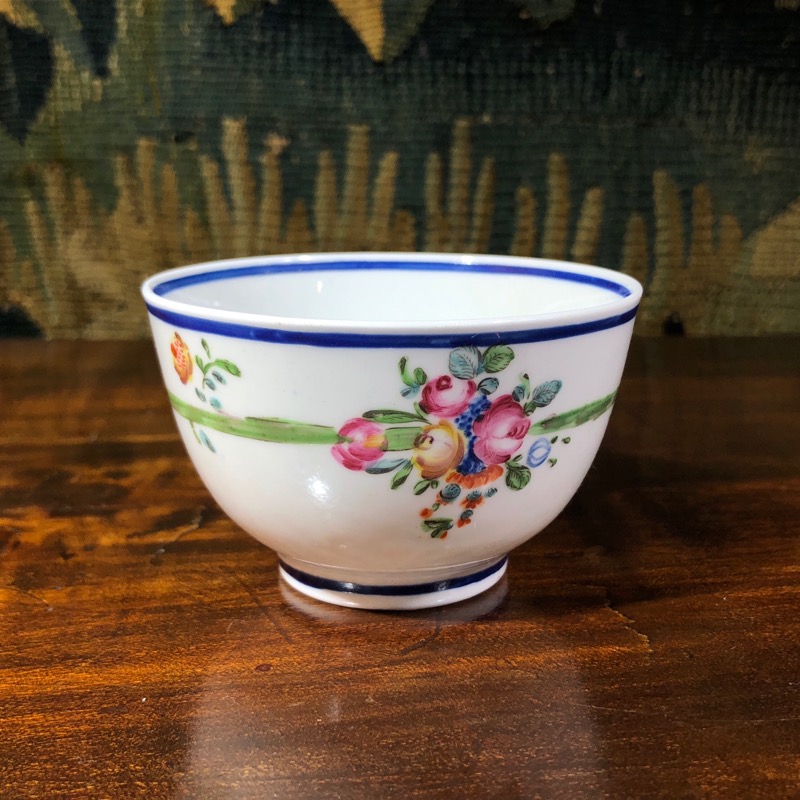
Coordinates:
x,y
658,138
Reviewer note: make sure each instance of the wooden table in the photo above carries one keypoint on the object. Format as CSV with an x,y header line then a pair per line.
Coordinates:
x,y
647,644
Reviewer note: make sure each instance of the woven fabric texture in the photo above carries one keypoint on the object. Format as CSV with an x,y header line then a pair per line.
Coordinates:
x,y
657,138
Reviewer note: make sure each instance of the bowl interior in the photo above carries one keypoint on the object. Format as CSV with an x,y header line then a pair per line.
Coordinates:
x,y
393,291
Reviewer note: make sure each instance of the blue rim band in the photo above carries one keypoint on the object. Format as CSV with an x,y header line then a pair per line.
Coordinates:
x,y
342,339
404,590
382,340
166,287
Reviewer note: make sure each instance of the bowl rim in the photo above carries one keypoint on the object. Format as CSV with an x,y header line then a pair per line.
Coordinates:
x,y
624,291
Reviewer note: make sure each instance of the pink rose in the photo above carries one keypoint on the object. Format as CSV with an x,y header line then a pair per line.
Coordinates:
x,y
365,444
446,397
500,431
438,449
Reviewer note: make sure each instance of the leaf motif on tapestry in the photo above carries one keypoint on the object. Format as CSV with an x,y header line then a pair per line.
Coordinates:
x,y
26,71
230,10
385,27
545,12
775,248
86,29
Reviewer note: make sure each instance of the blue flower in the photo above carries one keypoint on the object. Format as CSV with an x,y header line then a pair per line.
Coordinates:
x,y
471,464
538,453
450,492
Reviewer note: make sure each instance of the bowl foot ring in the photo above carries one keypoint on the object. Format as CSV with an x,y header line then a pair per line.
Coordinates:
x,y
401,597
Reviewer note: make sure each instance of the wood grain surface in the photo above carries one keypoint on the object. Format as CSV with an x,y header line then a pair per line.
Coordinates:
x,y
646,645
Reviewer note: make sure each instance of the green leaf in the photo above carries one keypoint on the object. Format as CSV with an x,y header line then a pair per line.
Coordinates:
x,y
228,366
208,382
207,442
391,416
264,429
402,474
206,347
465,362
543,395
401,438
219,376
406,378
575,417
566,440
412,380
497,357
420,487
552,461
199,361
438,524
554,439
523,389
517,477
200,394
488,385
385,465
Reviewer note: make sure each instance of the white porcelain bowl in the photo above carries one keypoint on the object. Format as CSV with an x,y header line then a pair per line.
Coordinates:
x,y
392,425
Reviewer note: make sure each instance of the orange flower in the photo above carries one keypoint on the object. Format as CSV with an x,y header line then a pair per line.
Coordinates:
x,y
462,522
181,358
425,513
472,503
489,475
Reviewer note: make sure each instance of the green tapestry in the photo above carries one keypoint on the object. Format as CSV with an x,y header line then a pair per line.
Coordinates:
x,y
657,138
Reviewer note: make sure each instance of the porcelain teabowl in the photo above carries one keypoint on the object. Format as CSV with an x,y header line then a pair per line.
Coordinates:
x,y
392,425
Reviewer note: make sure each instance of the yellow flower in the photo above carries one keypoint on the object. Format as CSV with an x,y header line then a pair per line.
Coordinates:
x,y
438,449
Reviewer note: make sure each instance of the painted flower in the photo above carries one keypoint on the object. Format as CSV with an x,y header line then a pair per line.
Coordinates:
x,y
181,358
446,396
475,480
472,500
500,431
538,453
438,449
365,443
